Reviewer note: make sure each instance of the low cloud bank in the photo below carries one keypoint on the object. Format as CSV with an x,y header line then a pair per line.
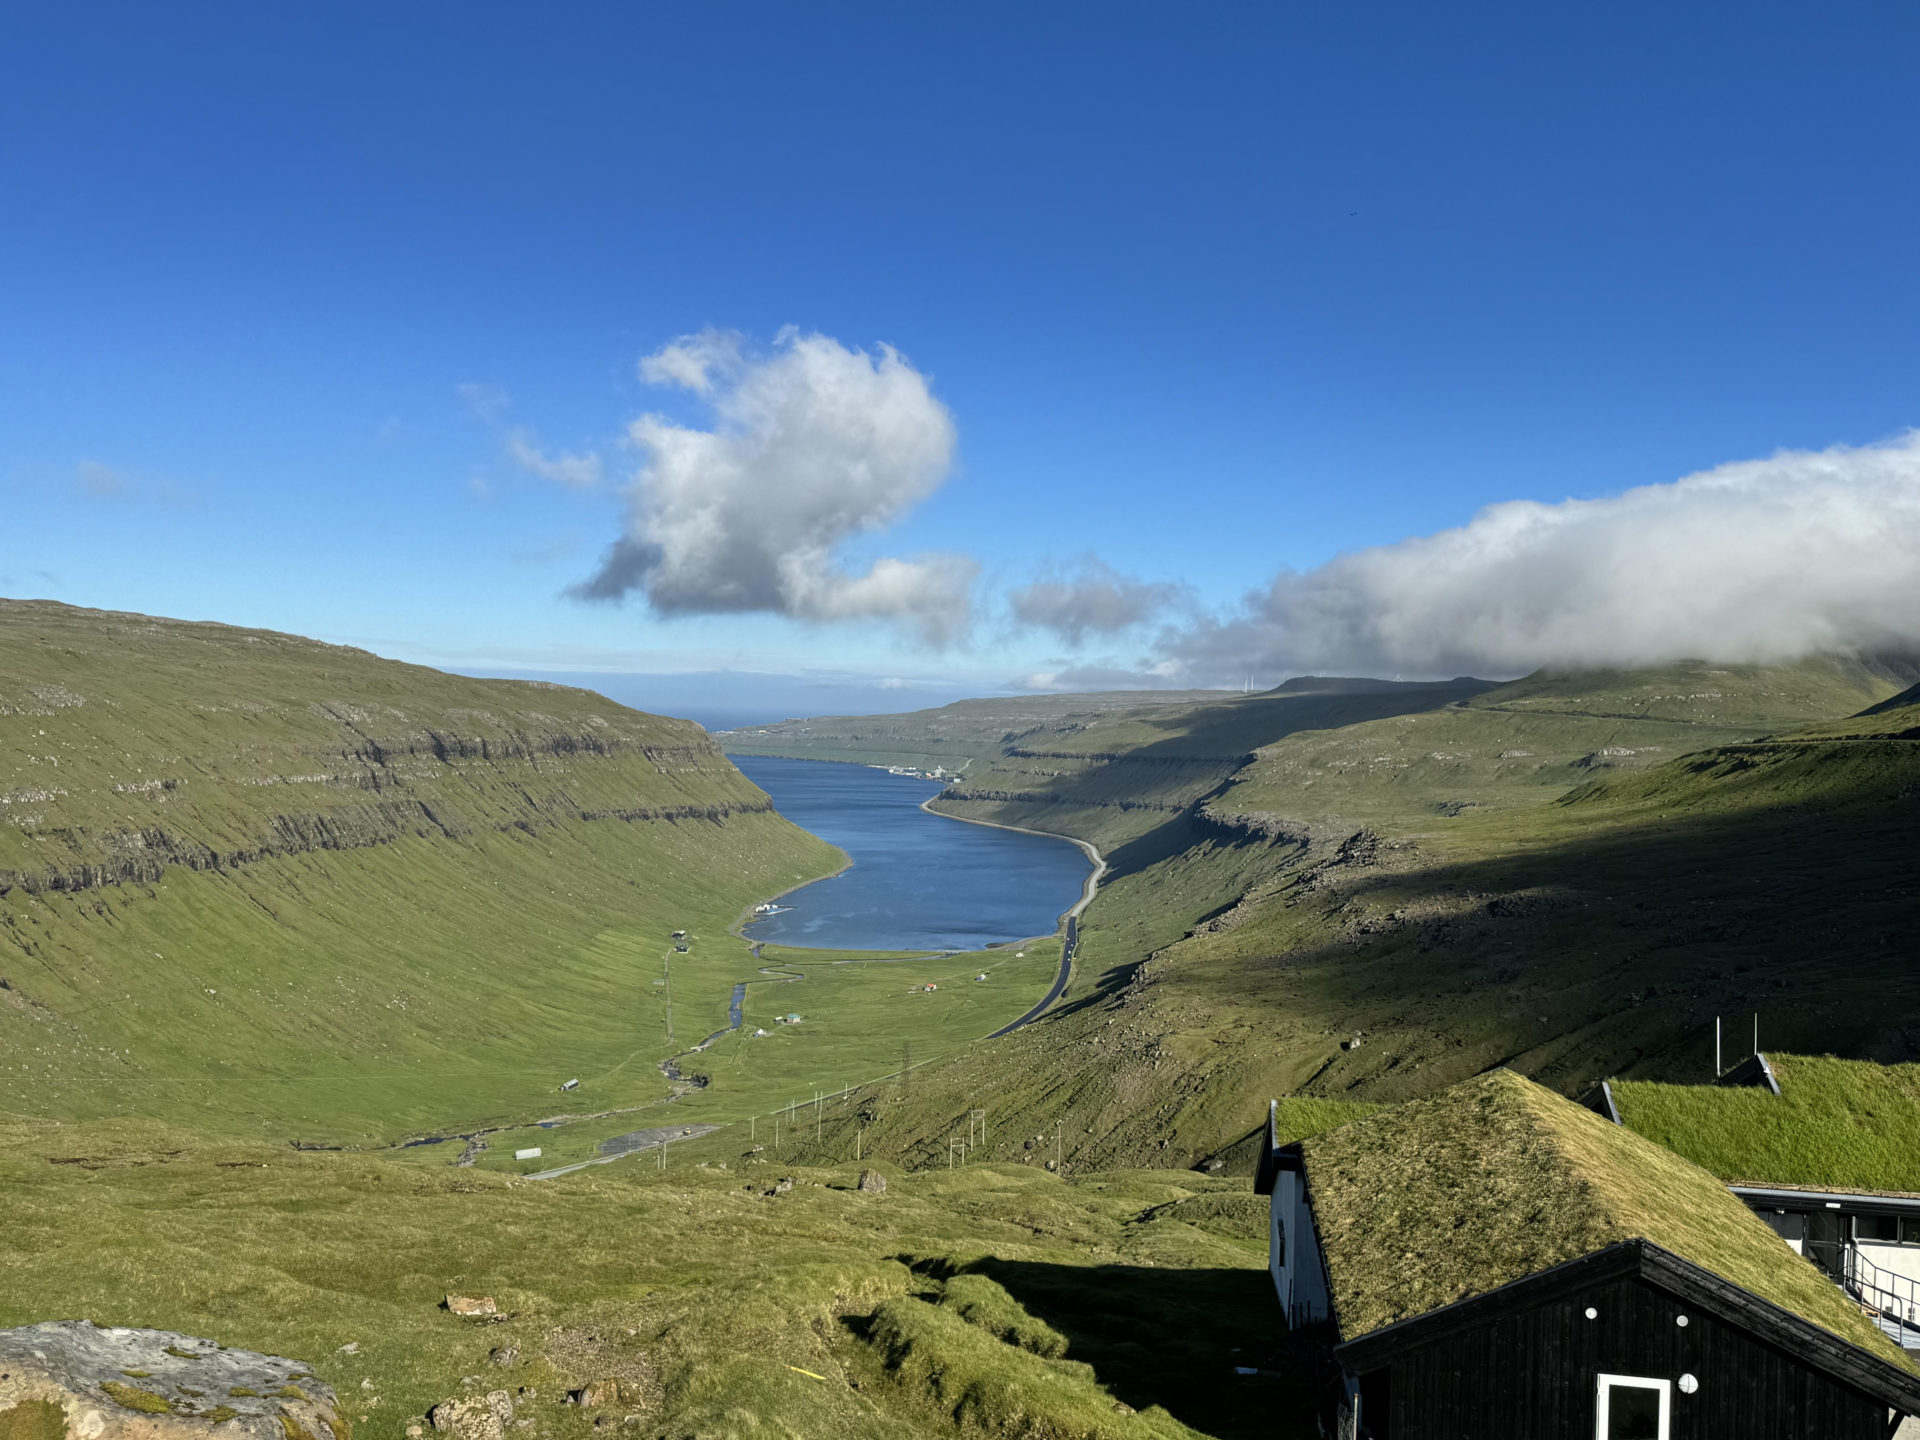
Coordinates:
x,y
811,446
1094,599
1763,560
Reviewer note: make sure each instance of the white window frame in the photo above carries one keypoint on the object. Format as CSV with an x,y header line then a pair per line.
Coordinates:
x,y
1603,1395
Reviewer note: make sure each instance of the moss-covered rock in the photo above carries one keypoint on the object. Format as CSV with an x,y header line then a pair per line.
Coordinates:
x,y
70,1378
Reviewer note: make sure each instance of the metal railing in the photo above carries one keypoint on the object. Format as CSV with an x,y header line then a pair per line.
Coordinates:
x,y
1893,1295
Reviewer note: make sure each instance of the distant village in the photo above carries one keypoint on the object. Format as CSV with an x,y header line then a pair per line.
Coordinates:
x,y
914,772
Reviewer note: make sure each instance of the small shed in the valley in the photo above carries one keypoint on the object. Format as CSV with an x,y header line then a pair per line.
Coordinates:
x,y
1498,1262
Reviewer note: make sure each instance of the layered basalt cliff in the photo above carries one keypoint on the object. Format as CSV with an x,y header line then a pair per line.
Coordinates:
x,y
130,745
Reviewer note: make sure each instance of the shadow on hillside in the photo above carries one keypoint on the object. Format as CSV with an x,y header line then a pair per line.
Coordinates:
x,y
1612,949
1173,1337
1309,703
1205,745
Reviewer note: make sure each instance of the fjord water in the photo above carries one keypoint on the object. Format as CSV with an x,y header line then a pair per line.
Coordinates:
x,y
918,881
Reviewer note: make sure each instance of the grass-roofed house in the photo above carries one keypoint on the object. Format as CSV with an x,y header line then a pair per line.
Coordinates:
x,y
1498,1263
1826,1151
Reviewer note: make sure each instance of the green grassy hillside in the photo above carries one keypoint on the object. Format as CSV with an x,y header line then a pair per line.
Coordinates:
x,y
261,888
982,1301
1357,939
260,884
1123,777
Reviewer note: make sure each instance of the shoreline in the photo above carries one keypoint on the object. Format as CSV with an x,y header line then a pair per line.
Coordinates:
x,y
745,917
1088,887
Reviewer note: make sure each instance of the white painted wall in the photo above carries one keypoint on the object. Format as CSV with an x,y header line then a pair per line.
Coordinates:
x,y
1900,1259
1276,1243
1293,1251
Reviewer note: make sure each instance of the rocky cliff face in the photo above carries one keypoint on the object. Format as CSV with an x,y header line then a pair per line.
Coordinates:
x,y
129,745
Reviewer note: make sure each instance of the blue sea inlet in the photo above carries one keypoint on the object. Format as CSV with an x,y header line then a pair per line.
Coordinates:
x,y
918,881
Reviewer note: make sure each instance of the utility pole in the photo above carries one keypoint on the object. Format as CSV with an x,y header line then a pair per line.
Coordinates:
x,y
1716,1047
1756,1032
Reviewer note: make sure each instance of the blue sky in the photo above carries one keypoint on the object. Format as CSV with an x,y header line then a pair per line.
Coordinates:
x,y
1216,294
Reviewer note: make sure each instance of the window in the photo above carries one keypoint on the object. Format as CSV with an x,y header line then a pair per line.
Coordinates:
x,y
1909,1230
1878,1229
1790,1225
1633,1408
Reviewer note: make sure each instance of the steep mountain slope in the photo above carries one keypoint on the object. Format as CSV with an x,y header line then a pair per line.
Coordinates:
x,y
1304,919
1354,938
266,882
1527,741
1121,778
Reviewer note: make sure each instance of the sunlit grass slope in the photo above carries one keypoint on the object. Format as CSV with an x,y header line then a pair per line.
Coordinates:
x,y
860,1018
129,745
985,1300
1529,741
269,886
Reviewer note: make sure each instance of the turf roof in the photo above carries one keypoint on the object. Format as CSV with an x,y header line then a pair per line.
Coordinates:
x,y
1835,1125
1497,1178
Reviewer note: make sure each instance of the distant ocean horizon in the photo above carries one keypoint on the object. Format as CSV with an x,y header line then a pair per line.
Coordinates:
x,y
732,700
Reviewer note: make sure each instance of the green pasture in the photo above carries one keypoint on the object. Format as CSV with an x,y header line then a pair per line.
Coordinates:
x,y
861,1019
995,1299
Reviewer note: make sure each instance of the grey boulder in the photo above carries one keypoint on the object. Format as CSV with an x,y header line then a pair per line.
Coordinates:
x,y
74,1380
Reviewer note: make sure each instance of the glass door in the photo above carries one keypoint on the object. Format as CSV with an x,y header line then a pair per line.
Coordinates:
x,y
1826,1244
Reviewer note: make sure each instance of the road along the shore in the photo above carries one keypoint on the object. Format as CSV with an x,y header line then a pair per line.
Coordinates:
x,y
1071,920
1092,882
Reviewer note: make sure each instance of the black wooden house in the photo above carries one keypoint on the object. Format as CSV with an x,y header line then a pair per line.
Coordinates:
x,y
1497,1263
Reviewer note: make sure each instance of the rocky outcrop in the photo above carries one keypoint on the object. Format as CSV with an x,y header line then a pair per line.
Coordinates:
x,y
475,1418
73,1380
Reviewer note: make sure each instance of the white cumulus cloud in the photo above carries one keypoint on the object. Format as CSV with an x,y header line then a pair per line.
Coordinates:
x,y
811,446
1761,560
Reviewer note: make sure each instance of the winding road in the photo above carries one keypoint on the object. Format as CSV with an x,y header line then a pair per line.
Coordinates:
x,y
1088,889
635,1141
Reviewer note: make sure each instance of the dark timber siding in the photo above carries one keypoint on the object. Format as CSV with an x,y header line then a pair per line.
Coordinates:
x,y
1531,1371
